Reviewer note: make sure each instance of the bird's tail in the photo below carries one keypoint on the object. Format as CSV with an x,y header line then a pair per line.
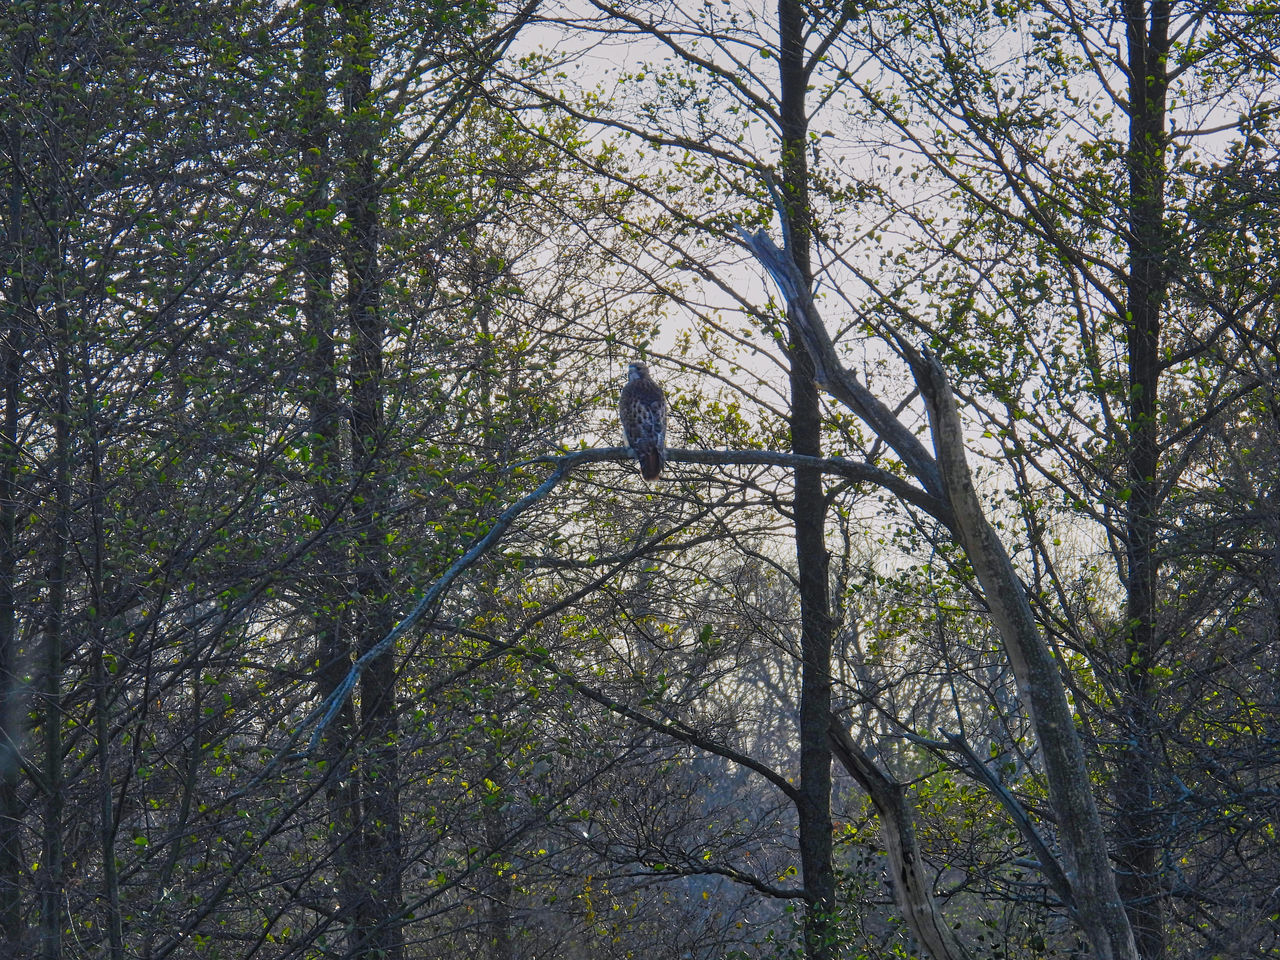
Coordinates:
x,y
651,463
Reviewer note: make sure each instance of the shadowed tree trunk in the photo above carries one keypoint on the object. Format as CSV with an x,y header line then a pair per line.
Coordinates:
x,y
1137,827
378,914
809,505
51,878
315,253
11,714
108,822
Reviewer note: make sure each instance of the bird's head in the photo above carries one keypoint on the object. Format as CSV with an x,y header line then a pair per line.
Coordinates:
x,y
637,371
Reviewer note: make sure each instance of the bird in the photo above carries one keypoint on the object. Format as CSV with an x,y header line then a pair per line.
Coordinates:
x,y
643,411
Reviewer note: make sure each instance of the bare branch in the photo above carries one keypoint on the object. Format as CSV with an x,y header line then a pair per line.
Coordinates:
x,y
563,465
829,373
946,476
911,888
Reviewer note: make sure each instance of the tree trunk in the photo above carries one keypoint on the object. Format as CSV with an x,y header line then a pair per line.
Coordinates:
x,y
498,890
51,858
12,727
809,505
912,887
315,262
108,823
378,917
498,887
51,874
1137,827
1097,902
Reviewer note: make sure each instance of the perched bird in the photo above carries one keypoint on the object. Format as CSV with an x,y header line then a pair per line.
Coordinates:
x,y
643,411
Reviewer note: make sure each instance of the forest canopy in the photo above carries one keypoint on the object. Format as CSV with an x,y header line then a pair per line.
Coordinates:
x,y
336,620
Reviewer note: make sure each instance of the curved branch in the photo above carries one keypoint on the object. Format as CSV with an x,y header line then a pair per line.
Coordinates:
x,y
1084,845
729,873
946,476
329,708
1048,864
837,466
911,889
829,373
671,728
563,464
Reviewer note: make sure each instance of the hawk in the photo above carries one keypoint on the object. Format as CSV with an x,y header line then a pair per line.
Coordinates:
x,y
643,411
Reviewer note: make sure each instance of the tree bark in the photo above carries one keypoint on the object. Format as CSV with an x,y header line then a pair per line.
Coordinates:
x,y
316,263
378,917
1137,824
107,821
12,728
50,876
103,699
809,511
498,888
1081,835
912,890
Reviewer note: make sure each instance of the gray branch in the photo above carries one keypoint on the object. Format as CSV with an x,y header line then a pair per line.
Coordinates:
x,y
1047,864
911,888
1087,873
562,465
829,373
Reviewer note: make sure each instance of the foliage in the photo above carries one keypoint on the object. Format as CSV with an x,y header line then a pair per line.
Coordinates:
x,y
296,295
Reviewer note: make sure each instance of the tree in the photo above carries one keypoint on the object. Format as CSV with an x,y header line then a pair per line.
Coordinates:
x,y
945,80
332,621
1105,210
202,430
